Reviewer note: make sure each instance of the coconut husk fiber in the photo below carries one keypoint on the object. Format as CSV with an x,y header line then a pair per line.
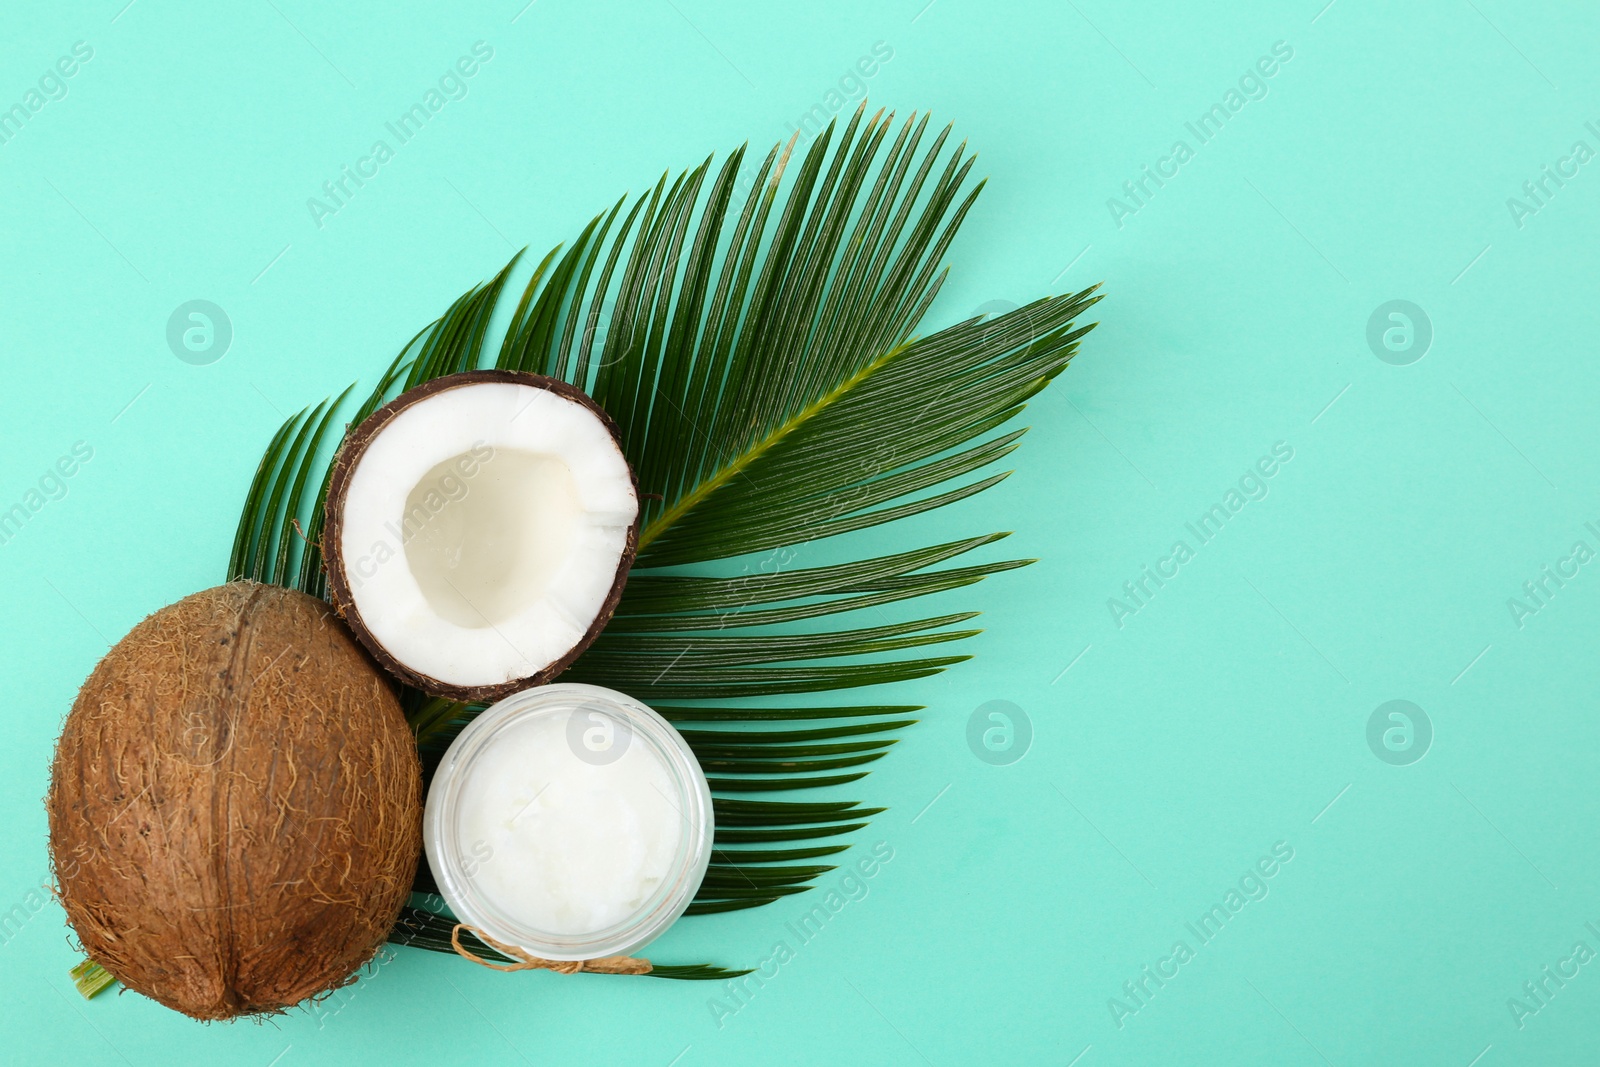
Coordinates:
x,y
235,804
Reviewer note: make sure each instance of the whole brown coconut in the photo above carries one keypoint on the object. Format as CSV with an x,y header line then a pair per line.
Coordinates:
x,y
235,812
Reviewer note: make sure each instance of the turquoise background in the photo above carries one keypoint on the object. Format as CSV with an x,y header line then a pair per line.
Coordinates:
x,y
1227,715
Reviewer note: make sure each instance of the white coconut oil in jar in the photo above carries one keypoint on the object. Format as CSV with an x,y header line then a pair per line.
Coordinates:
x,y
570,821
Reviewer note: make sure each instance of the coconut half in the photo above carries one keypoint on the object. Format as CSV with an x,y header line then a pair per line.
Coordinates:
x,y
479,531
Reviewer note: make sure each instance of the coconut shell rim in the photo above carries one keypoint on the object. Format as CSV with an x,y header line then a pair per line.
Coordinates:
x,y
349,456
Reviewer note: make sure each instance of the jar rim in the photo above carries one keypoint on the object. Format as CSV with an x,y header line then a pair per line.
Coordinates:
x,y
444,845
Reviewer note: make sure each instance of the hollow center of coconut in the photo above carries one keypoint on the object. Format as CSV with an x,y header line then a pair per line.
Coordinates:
x,y
482,552
483,530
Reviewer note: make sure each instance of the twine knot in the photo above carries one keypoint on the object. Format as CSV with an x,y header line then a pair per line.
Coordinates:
x,y
603,965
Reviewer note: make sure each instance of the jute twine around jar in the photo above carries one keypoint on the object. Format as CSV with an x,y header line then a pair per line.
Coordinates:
x,y
603,965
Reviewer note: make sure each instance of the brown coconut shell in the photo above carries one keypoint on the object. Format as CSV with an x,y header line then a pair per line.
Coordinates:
x,y
235,804
340,588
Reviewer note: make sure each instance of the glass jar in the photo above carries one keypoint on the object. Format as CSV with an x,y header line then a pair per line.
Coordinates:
x,y
550,785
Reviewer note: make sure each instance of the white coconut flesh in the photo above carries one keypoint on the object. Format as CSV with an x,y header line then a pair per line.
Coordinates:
x,y
483,528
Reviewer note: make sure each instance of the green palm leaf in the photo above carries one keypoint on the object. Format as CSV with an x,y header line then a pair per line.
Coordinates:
x,y
760,360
